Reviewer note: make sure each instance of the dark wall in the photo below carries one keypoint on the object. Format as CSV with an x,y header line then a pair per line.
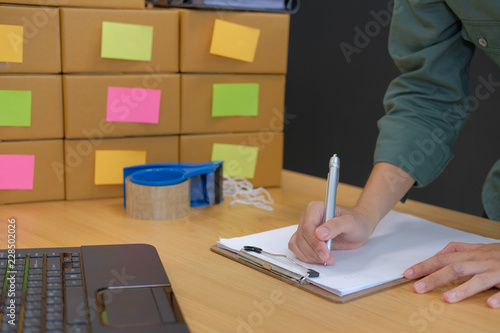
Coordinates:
x,y
334,99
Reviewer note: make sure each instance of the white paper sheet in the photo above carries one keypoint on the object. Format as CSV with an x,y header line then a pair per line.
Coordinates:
x,y
398,242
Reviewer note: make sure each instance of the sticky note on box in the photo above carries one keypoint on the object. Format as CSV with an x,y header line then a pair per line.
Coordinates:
x,y
239,160
109,164
11,43
235,99
126,41
17,172
234,41
134,105
15,108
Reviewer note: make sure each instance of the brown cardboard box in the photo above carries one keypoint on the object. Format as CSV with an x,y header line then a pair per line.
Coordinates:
x,y
198,149
48,181
86,98
82,3
196,37
80,162
40,39
196,101
46,107
81,35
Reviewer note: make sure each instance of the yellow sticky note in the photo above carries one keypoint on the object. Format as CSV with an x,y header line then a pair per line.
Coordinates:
x,y
234,41
11,43
239,160
109,164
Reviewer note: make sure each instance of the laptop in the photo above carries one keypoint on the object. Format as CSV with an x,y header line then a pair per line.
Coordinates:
x,y
101,288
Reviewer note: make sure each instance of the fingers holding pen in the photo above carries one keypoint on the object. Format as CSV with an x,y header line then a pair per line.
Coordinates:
x,y
309,254
349,229
304,243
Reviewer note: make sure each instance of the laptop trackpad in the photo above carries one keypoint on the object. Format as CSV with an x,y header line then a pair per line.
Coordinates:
x,y
143,306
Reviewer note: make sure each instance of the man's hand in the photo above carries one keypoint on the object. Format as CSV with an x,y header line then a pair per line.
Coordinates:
x,y
349,229
478,263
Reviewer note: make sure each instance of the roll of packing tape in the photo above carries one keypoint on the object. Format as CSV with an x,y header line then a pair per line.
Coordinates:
x,y
157,194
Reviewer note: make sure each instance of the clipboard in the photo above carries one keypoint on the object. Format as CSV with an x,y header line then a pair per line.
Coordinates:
x,y
309,287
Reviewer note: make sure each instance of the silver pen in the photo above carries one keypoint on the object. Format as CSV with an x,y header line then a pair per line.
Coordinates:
x,y
331,191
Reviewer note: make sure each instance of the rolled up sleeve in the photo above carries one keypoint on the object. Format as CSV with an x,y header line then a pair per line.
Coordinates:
x,y
427,105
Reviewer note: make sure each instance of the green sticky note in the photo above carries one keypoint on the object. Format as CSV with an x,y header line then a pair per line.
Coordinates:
x,y
15,108
239,160
235,99
126,41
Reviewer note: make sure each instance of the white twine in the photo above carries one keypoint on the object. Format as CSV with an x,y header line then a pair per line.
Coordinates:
x,y
242,191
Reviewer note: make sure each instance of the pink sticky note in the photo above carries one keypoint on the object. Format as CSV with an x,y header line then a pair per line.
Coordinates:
x,y
16,172
133,105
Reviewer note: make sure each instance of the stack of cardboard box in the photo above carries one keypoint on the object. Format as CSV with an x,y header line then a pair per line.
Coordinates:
x,y
31,111
233,67
121,94
86,91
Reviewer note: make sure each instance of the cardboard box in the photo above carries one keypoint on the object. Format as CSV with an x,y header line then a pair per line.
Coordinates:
x,y
48,177
198,149
83,35
90,99
44,103
197,91
30,35
196,38
82,3
80,162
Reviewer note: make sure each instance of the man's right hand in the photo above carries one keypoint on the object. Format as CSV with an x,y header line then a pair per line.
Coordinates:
x,y
349,229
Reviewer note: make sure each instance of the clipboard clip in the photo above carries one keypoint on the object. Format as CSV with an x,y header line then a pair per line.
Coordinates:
x,y
301,279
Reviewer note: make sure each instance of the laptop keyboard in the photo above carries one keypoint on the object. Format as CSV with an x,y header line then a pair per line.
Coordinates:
x,y
96,288
34,288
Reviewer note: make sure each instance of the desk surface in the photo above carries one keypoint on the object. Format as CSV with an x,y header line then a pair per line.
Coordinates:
x,y
219,295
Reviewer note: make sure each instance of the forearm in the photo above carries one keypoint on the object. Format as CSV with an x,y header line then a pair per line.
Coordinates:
x,y
386,185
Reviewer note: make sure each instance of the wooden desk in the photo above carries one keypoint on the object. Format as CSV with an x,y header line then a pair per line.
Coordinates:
x,y
219,295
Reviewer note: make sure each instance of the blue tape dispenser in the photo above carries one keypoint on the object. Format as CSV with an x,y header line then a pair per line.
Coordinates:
x,y
205,179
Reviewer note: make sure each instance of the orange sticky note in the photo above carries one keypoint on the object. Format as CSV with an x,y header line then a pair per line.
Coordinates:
x,y
239,160
234,41
109,164
11,43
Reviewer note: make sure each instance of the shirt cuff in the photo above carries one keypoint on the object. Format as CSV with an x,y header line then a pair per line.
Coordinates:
x,y
420,151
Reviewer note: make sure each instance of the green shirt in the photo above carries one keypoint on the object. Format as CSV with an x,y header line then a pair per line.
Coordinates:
x,y
432,43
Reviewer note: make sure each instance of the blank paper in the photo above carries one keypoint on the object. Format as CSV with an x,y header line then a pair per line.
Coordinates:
x,y
398,242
